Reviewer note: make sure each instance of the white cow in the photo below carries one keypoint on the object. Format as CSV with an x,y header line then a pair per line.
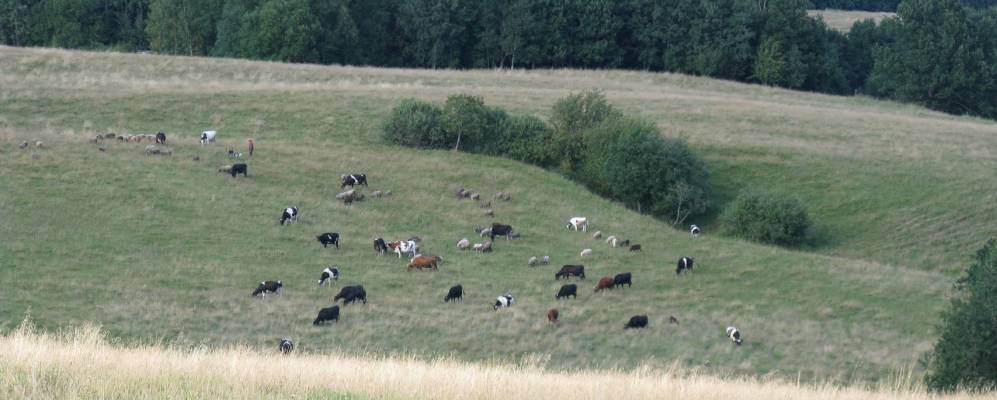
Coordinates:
x,y
578,223
694,230
208,137
404,246
734,335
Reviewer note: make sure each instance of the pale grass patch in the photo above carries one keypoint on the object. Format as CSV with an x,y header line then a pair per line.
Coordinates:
x,y
85,365
842,21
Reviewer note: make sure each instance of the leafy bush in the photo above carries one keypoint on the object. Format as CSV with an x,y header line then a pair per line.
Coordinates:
x,y
570,117
528,139
416,123
767,218
964,355
470,124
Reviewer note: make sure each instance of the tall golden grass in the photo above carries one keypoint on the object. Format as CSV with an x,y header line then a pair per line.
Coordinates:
x,y
81,363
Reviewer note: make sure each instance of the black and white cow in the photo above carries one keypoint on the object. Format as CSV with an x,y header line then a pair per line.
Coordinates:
x,y
354,180
290,215
694,230
286,346
734,335
160,138
208,137
351,294
455,293
329,238
327,314
500,230
239,169
504,301
685,263
329,274
268,287
380,247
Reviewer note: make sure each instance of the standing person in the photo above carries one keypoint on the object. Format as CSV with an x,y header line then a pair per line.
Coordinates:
x,y
251,144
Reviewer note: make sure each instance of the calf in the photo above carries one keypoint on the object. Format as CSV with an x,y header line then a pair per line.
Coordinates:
x,y
239,169
290,215
420,262
380,247
578,223
694,230
734,335
567,290
635,247
329,238
268,287
545,260
636,322
569,271
604,283
500,230
351,294
673,320
160,138
504,301
327,314
455,293
552,315
208,137
622,279
329,274
285,346
685,263
354,180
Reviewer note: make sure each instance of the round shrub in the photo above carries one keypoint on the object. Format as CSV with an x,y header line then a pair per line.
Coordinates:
x,y
767,217
416,123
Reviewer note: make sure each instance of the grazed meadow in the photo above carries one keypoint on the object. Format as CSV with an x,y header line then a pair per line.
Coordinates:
x,y
842,20
165,249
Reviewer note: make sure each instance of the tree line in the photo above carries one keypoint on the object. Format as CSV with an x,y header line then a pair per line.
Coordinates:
x,y
883,5
937,52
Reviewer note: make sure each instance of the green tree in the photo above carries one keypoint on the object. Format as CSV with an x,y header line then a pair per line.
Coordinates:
x,y
965,355
778,66
183,26
469,123
416,123
287,30
236,29
570,117
767,217
14,20
345,38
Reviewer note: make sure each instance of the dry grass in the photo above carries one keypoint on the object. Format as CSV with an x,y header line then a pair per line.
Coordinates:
x,y
82,364
842,21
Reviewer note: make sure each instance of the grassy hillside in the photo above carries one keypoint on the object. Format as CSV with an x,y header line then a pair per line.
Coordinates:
x,y
81,364
165,248
842,20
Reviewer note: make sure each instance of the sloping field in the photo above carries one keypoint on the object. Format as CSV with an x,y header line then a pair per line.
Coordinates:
x,y
166,249
843,20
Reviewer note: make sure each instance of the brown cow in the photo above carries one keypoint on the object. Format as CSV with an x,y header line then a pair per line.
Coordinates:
x,y
604,283
421,262
552,315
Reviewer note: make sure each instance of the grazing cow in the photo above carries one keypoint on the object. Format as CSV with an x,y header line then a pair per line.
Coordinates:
x,y
636,322
612,241
622,279
354,180
500,230
694,230
329,274
734,335
455,293
420,262
327,314
597,235
578,223
673,320
404,246
351,294
533,261
239,169
570,289
504,301
380,247
635,247
545,260
569,271
251,145
208,137
685,263
160,138
329,238
290,215
604,283
268,287
463,244
552,315
286,346
585,253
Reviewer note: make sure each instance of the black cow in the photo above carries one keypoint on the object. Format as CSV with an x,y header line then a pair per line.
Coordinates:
x,y
239,169
286,345
455,293
685,263
501,230
569,271
160,138
328,274
327,314
622,279
635,247
354,180
567,290
329,238
290,215
636,322
268,287
379,246
350,294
